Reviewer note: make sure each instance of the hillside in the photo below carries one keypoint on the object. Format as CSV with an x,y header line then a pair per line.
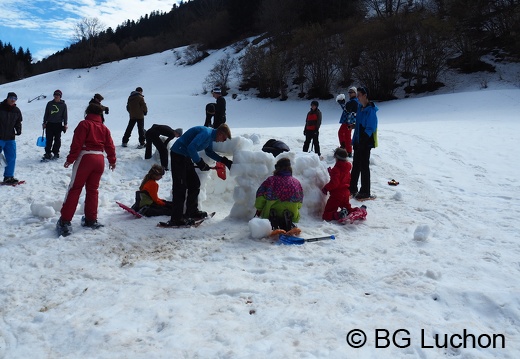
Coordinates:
x,y
437,255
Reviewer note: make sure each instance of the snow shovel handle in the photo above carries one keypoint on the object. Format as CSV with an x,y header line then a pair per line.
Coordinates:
x,y
319,238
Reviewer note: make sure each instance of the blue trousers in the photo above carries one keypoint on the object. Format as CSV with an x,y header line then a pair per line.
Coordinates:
x,y
9,149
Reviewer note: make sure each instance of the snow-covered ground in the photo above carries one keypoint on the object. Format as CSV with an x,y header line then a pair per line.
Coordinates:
x,y
436,262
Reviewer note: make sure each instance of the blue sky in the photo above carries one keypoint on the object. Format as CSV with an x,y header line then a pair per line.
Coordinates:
x,y
45,27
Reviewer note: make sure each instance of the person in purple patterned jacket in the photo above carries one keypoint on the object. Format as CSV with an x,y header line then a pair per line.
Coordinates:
x,y
279,198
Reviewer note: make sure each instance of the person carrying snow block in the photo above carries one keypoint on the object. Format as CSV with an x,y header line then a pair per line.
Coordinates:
x,y
279,198
275,147
311,131
348,119
149,204
338,187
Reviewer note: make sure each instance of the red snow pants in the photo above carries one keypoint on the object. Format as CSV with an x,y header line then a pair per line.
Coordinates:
x,y
345,137
336,201
86,172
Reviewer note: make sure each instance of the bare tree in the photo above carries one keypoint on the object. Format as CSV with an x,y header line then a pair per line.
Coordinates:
x,y
86,32
221,72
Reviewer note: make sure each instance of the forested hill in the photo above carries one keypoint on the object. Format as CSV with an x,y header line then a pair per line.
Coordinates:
x,y
314,44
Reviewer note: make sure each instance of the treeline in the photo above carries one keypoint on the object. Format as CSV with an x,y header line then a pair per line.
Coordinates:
x,y
315,44
14,64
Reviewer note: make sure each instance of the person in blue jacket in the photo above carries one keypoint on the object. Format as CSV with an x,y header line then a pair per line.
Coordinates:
x,y
363,140
186,183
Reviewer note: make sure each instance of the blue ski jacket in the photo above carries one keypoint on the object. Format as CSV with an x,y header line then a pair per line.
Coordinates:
x,y
196,139
365,133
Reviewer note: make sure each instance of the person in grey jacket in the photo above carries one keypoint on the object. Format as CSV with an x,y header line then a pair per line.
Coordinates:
x,y
54,122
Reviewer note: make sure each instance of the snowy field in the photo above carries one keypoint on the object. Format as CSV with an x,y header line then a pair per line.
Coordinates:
x,y
436,262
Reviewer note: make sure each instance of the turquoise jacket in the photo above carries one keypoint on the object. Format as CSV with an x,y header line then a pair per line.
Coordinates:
x,y
196,139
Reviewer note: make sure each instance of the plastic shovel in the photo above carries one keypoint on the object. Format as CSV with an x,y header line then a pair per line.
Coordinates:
x,y
41,141
221,170
288,240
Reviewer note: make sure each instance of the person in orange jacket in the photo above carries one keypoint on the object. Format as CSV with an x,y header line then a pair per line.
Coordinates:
x,y
149,204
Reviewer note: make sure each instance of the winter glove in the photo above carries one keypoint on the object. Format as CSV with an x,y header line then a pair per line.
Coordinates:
x,y
64,129
203,166
324,190
227,162
106,110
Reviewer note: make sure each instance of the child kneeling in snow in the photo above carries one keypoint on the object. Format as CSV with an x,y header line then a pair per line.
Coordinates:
x,y
338,187
279,198
148,202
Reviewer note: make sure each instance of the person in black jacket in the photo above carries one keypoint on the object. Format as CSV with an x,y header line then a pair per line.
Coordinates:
x,y
311,131
10,126
54,122
153,136
210,112
220,107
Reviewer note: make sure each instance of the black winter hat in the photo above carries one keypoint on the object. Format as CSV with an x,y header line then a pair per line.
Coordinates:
x,y
315,103
11,94
340,154
282,163
99,97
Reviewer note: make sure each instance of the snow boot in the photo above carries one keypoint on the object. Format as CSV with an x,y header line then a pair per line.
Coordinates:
x,y
64,228
91,224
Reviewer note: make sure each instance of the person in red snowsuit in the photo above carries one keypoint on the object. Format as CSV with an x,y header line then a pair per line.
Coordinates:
x,y
91,139
338,187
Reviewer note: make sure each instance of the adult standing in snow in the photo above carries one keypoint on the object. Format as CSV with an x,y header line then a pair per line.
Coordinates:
x,y
10,126
137,109
348,119
279,198
96,100
186,182
363,140
91,138
311,131
54,122
153,136
220,107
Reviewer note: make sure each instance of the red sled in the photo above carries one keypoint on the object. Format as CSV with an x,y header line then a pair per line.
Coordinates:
x,y
358,214
128,209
